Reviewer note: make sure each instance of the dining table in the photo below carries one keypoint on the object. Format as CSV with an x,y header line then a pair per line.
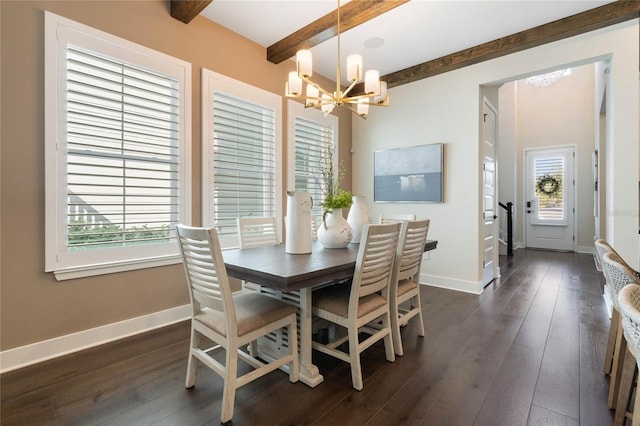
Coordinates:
x,y
292,278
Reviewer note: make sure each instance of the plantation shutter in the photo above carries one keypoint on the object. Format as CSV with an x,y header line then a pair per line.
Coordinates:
x,y
122,152
312,143
551,206
244,163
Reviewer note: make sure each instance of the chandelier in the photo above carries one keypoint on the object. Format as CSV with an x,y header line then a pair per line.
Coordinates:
x,y
547,79
315,96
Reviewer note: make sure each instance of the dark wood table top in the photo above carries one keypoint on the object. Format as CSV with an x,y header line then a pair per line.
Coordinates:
x,y
272,267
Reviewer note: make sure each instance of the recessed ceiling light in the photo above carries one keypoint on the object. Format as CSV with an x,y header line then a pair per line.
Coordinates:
x,y
374,43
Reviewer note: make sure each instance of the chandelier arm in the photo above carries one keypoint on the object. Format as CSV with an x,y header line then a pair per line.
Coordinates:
x,y
315,98
355,111
348,89
317,86
355,99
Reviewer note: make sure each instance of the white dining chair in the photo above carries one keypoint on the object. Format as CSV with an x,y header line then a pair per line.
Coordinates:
x,y
256,231
405,280
395,218
603,247
619,275
260,231
365,301
230,321
629,302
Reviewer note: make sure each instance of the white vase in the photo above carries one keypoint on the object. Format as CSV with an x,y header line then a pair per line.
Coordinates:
x,y
335,232
358,216
298,222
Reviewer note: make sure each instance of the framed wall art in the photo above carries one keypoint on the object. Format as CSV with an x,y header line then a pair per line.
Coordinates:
x,y
412,174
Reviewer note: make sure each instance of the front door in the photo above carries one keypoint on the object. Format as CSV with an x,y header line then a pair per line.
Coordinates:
x,y
549,205
490,229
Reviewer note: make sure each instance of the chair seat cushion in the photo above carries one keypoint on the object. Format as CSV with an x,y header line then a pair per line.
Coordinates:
x,y
253,311
335,299
406,286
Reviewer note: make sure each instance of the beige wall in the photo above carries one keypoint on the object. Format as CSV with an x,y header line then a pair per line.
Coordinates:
x,y
34,306
561,115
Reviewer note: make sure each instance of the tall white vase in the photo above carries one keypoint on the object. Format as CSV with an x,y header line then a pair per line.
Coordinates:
x,y
335,232
298,222
358,216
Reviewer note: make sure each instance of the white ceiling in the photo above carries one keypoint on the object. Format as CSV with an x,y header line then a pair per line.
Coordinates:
x,y
412,33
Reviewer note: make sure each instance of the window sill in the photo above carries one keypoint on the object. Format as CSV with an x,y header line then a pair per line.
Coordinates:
x,y
110,268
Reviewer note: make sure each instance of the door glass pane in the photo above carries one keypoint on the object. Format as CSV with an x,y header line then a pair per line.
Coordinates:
x,y
549,189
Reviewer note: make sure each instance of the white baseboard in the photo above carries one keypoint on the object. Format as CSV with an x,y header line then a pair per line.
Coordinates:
x,y
23,356
584,249
474,287
579,249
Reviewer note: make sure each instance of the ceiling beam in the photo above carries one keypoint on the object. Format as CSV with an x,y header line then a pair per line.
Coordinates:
x,y
186,10
593,19
352,14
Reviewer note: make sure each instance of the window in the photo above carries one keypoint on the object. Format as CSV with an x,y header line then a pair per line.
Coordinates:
x,y
314,135
117,138
549,173
241,154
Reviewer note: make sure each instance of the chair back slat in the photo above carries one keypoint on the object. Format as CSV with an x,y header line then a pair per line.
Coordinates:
x,y
375,260
205,270
395,218
257,231
413,237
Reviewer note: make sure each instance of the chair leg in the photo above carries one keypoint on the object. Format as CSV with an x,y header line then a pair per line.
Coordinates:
x,y
229,388
395,331
354,356
416,304
253,348
611,342
388,339
635,420
625,387
616,370
192,363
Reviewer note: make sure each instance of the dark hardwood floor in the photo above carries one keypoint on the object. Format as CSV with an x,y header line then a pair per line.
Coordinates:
x,y
528,351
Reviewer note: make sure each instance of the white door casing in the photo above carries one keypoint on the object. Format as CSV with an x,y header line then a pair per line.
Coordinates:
x,y
490,267
549,198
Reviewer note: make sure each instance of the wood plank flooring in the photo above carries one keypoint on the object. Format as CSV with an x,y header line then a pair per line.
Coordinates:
x,y
528,351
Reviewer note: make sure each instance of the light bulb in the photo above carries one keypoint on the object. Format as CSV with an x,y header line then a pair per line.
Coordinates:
x,y
354,68
372,82
304,62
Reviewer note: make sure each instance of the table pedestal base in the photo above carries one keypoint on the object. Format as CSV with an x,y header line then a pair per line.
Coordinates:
x,y
276,344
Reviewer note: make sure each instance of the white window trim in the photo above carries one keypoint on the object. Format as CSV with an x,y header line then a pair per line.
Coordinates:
x,y
297,109
212,81
59,31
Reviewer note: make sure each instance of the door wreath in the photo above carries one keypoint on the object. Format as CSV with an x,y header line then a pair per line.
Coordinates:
x,y
547,184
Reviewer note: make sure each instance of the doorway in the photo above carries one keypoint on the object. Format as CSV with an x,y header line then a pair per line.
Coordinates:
x,y
549,198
